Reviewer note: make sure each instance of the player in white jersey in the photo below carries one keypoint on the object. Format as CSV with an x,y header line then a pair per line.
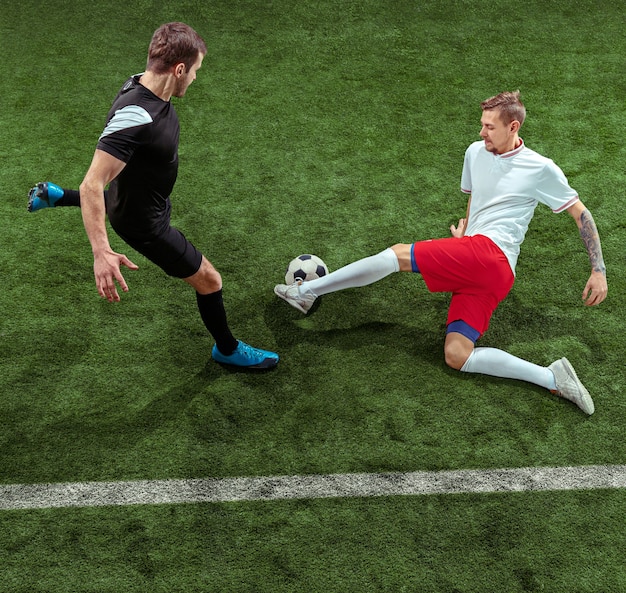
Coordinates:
x,y
505,181
505,189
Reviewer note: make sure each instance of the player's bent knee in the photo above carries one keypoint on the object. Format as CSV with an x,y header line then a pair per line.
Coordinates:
x,y
456,355
459,345
207,279
454,362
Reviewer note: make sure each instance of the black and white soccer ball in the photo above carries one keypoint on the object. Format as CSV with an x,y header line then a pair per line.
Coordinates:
x,y
305,267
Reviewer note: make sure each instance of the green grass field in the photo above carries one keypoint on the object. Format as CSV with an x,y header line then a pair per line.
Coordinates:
x,y
338,128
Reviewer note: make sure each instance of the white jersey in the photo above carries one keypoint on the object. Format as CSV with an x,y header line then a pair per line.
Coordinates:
x,y
506,189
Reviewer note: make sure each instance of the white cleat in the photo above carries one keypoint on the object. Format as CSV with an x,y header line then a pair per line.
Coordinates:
x,y
291,294
568,385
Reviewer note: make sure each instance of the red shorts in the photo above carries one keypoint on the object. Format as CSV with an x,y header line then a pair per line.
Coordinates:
x,y
474,269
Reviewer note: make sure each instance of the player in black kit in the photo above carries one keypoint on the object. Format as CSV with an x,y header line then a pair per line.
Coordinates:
x,y
137,157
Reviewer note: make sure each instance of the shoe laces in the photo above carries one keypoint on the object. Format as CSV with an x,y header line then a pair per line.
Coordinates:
x,y
248,351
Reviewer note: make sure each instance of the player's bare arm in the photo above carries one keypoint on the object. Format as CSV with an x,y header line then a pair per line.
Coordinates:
x,y
596,288
104,168
459,231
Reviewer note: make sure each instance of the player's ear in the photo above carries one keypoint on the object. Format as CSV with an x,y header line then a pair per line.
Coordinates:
x,y
515,126
179,69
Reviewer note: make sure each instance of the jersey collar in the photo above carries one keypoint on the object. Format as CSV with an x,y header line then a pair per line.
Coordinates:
x,y
514,152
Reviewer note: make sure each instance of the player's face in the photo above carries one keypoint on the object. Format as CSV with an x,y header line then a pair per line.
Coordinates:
x,y
182,84
498,136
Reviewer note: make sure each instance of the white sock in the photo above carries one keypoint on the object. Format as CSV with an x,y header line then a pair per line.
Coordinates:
x,y
491,361
359,273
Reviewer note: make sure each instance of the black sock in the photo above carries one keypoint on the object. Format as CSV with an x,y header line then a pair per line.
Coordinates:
x,y
211,307
71,197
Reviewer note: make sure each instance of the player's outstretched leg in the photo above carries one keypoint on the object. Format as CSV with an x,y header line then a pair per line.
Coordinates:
x,y
559,378
359,273
246,356
44,195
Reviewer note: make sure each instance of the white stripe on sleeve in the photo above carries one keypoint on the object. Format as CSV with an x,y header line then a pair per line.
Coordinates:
x,y
128,117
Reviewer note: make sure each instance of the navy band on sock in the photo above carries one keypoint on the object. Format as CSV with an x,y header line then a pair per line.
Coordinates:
x,y
461,327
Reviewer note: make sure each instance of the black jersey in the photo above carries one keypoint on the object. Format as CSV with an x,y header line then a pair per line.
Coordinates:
x,y
143,131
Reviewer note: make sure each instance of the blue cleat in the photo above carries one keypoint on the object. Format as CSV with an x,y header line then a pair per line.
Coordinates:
x,y
246,356
44,195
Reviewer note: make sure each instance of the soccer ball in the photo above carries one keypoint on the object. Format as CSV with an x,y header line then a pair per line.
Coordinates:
x,y
305,267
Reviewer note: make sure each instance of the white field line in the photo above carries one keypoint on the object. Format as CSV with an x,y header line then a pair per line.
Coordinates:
x,y
217,490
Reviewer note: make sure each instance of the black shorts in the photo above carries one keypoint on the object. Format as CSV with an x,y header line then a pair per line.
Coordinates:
x,y
170,250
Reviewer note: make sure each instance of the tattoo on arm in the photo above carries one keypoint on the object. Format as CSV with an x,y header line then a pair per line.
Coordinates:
x,y
591,239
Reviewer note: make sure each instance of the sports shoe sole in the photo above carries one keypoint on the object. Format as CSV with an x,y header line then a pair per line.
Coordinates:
x,y
293,303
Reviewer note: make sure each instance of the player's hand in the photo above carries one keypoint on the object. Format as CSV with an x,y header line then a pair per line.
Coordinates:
x,y
596,289
106,269
459,231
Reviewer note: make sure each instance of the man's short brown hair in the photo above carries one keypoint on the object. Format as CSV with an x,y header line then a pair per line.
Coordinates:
x,y
174,43
509,105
